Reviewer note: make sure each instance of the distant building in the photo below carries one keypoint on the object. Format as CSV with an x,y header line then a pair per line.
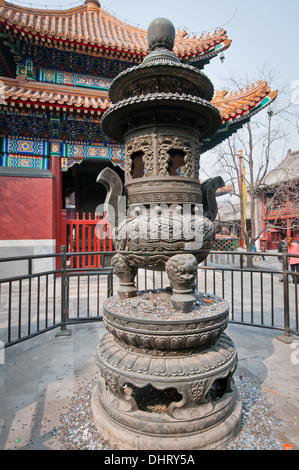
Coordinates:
x,y
276,210
279,201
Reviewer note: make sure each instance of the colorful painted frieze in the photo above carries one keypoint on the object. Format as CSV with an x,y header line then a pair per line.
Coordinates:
x,y
75,153
25,146
22,152
17,161
73,79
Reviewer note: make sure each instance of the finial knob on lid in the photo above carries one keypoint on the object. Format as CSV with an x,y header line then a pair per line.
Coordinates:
x,y
161,34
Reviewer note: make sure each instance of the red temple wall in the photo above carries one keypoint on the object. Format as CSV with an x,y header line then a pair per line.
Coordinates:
x,y
27,208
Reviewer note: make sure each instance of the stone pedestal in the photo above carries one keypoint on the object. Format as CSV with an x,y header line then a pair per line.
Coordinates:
x,y
166,384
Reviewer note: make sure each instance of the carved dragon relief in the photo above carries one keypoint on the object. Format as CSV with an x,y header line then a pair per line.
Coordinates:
x,y
166,143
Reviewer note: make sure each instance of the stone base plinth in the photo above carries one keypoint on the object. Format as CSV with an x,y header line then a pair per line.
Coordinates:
x,y
152,400
123,438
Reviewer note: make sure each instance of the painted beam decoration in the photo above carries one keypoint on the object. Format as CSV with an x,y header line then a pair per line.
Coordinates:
x,y
25,146
76,153
17,161
29,153
73,79
25,153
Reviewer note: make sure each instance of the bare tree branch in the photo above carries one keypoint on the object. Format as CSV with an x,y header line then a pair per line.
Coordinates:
x,y
258,141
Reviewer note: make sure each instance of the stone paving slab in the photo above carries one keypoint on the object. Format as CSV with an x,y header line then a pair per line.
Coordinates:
x,y
40,376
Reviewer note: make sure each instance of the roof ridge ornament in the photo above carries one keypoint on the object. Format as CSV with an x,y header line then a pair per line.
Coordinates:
x,y
92,5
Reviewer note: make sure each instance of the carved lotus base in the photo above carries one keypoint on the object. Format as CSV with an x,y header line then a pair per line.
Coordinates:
x,y
143,322
178,400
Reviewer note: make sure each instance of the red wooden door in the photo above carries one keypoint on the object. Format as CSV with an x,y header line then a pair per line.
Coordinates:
x,y
88,235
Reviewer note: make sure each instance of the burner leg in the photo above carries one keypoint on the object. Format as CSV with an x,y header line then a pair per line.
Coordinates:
x,y
181,271
126,274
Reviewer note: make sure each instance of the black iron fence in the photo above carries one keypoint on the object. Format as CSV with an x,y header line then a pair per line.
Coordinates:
x,y
40,297
261,291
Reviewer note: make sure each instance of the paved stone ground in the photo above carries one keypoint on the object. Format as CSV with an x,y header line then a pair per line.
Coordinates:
x,y
46,382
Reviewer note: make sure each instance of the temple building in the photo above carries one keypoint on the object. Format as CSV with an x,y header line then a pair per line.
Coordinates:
x,y
279,202
56,67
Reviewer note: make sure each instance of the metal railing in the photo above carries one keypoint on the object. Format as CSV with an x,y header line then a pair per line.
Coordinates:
x,y
37,299
260,293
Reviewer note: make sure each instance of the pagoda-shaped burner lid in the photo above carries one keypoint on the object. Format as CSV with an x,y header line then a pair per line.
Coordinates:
x,y
159,90
161,70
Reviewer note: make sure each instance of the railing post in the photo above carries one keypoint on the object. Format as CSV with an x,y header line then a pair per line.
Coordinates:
x,y
29,266
241,260
63,227
64,307
286,305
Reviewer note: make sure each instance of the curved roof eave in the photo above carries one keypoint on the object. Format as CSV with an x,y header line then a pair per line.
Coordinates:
x,y
91,26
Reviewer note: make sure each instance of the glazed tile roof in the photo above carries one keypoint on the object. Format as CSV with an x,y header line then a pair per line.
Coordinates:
x,y
91,26
236,104
286,171
20,92
236,109
233,107
28,95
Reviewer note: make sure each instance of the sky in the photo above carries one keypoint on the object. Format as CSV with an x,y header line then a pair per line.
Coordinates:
x,y
264,38
263,33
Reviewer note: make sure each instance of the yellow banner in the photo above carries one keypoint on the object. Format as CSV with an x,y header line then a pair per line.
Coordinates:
x,y
244,193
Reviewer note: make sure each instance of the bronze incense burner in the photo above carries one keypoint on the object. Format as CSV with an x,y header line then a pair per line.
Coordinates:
x,y
166,365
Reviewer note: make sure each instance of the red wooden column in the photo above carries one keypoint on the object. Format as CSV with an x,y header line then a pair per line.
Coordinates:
x,y
55,168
